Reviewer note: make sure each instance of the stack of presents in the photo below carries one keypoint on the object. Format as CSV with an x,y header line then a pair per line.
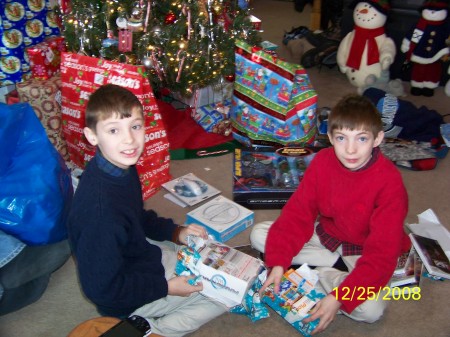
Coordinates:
x,y
36,68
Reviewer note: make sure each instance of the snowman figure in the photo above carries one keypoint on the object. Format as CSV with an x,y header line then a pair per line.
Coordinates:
x,y
366,51
425,46
447,85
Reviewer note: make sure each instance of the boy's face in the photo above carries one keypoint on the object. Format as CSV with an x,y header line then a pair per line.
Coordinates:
x,y
354,147
120,140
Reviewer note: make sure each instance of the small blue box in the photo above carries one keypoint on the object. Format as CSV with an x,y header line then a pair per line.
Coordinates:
x,y
222,218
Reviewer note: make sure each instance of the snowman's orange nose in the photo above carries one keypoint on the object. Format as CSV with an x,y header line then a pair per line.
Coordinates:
x,y
364,11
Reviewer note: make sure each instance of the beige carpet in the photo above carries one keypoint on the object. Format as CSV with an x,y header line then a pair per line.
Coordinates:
x,y
63,306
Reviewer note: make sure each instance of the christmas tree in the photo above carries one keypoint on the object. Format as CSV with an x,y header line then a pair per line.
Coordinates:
x,y
184,44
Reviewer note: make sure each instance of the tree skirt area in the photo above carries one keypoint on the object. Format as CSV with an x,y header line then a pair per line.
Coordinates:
x,y
188,139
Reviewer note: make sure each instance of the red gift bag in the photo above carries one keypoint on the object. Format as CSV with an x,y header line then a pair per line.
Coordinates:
x,y
81,76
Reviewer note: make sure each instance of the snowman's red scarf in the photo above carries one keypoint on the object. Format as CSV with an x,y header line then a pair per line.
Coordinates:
x,y
362,38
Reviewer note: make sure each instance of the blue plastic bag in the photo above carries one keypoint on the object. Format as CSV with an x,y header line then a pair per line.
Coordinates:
x,y
35,183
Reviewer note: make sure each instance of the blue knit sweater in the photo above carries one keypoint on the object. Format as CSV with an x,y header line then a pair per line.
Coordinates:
x,y
118,269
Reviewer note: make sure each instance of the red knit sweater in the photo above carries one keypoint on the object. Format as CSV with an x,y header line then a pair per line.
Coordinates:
x,y
366,208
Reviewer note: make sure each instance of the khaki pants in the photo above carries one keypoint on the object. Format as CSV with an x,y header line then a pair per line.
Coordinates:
x,y
174,316
315,254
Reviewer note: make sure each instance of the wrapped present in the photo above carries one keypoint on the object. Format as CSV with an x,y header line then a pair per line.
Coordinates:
x,y
12,97
207,95
43,96
45,57
255,22
81,76
214,117
273,100
298,294
23,24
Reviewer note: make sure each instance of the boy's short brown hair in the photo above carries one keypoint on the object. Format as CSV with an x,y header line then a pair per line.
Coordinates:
x,y
110,100
355,112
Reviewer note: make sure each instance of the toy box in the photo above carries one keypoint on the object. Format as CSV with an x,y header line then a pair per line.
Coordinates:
x,y
226,273
267,45
222,218
266,177
296,298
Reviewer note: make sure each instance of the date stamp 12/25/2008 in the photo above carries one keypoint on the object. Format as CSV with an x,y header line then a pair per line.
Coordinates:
x,y
376,293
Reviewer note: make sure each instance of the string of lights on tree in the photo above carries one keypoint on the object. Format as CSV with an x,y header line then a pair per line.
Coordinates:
x,y
184,44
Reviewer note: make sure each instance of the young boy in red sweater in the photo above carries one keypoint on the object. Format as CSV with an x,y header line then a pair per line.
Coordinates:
x,y
350,207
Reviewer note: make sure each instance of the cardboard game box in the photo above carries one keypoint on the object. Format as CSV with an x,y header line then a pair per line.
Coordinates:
x,y
222,218
266,177
226,273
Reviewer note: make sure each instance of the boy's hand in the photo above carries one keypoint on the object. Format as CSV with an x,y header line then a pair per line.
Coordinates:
x,y
274,277
179,286
326,310
192,229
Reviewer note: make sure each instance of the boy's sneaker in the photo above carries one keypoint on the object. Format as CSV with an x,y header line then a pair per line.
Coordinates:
x,y
295,33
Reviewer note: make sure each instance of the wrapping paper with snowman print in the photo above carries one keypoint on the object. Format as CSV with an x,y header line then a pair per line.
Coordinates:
x,y
273,101
23,23
81,76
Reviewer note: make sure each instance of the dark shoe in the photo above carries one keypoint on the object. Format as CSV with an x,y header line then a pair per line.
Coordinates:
x,y
427,92
333,33
316,39
330,60
416,91
295,33
315,56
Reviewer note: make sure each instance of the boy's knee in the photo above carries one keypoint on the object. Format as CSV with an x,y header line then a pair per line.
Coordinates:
x,y
369,311
258,235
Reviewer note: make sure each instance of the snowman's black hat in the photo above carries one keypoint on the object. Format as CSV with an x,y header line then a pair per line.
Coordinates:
x,y
434,4
383,6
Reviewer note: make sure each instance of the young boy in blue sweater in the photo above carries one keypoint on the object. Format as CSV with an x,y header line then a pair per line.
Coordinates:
x,y
126,255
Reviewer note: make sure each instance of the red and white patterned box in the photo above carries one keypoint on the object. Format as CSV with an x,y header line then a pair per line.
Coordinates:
x,y
256,22
45,57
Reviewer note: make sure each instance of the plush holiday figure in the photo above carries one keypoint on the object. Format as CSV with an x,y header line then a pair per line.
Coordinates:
x,y
447,85
366,51
425,46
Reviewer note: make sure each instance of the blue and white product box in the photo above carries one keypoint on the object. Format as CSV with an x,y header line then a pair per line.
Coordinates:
x,y
222,218
267,45
226,273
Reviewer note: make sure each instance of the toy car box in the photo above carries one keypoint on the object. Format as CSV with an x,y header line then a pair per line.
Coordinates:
x,y
266,177
222,217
